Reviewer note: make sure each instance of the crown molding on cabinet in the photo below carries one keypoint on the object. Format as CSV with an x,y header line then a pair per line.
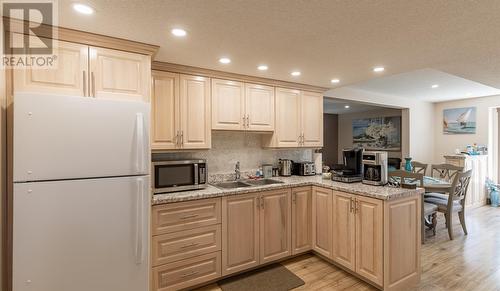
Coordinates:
x,y
87,38
184,69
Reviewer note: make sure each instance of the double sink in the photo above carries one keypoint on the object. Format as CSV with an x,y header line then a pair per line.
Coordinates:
x,y
246,183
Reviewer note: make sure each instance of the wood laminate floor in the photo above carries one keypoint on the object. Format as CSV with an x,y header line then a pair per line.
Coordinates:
x,y
469,262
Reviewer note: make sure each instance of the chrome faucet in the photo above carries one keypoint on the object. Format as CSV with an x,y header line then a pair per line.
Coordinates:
x,y
237,171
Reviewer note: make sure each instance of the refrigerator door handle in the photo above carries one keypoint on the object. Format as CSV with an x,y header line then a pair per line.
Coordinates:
x,y
139,249
141,148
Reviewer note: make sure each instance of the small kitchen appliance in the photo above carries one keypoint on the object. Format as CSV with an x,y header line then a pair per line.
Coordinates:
x,y
350,171
178,175
285,167
375,168
304,169
267,171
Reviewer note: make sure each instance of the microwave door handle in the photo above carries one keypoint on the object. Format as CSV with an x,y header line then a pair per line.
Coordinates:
x,y
139,249
196,174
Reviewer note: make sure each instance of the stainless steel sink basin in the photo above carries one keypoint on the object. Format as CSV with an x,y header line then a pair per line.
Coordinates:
x,y
263,182
246,183
232,185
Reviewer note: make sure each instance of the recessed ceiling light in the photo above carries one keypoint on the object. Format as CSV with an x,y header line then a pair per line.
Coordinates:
x,y
434,86
378,69
262,68
347,107
179,32
295,73
224,60
335,81
83,9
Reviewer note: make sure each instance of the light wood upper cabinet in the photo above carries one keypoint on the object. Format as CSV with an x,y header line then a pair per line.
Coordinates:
x,y
119,75
344,230
275,225
91,72
369,239
68,77
228,105
322,221
301,219
312,119
240,232
287,131
242,106
195,112
299,119
259,107
165,110
180,112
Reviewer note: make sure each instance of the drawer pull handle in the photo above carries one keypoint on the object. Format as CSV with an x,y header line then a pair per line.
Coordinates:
x,y
189,245
189,216
189,274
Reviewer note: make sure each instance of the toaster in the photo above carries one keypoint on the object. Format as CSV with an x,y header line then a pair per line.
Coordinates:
x,y
304,169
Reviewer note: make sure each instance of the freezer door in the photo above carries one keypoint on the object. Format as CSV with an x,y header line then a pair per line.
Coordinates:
x,y
66,137
81,235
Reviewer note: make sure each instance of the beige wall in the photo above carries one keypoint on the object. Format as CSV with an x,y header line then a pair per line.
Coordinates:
x,y
330,138
345,127
446,144
420,119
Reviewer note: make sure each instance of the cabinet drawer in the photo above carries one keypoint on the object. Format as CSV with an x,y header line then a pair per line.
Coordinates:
x,y
187,273
176,246
185,215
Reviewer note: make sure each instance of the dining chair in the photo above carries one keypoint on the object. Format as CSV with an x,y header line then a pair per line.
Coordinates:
x,y
429,211
445,171
454,201
417,167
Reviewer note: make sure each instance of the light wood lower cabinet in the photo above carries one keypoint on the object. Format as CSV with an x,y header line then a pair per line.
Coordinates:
x,y
369,239
256,229
322,221
198,241
301,219
240,232
275,225
187,273
358,235
344,230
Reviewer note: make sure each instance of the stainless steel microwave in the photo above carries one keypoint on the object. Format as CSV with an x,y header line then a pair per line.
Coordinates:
x,y
181,175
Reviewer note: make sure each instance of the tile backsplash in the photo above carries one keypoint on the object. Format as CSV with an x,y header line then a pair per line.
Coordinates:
x,y
230,147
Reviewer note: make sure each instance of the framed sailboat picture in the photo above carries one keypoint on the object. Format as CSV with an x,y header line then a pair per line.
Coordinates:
x,y
459,120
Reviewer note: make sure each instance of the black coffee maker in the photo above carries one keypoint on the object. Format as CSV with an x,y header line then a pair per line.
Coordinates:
x,y
351,170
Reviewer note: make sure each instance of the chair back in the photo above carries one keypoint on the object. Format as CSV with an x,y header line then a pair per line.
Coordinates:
x,y
399,177
417,167
445,171
460,186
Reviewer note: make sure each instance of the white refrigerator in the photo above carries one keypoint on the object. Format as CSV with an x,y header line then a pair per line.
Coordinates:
x,y
81,196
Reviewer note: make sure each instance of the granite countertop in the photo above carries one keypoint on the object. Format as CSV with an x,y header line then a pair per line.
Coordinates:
x,y
379,192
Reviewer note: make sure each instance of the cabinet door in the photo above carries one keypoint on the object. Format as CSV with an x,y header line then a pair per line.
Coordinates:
x,y
322,221
195,112
259,107
301,219
240,233
275,225
69,77
312,119
228,105
369,238
287,118
344,230
164,111
119,75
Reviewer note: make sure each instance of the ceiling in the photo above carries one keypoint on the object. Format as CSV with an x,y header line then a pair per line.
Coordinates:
x,y
418,85
337,106
323,39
